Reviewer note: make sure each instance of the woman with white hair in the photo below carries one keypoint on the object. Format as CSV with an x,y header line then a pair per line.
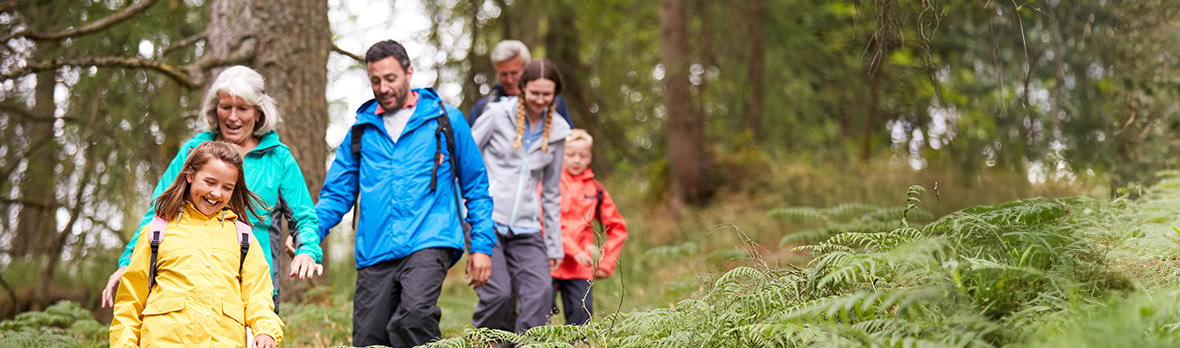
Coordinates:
x,y
237,110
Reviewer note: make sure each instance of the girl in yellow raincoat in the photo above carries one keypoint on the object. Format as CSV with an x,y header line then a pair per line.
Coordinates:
x,y
204,294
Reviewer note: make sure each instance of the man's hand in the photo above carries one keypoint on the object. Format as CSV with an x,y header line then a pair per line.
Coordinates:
x,y
479,269
290,246
264,341
108,293
553,264
305,267
583,259
600,274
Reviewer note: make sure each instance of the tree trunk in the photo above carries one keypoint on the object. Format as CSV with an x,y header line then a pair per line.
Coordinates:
x,y
477,64
293,42
705,47
756,20
686,153
37,219
562,41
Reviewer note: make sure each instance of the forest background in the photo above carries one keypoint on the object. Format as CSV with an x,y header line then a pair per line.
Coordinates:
x,y
707,116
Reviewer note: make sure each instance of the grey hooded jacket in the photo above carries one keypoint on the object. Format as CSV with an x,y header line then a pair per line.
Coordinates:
x,y
513,176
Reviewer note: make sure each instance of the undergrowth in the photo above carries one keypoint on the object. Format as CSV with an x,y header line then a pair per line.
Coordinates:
x,y
64,324
1033,272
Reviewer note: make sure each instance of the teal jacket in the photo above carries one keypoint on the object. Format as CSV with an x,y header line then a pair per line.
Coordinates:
x,y
271,172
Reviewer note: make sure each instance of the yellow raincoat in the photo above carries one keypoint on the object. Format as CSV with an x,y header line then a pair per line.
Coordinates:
x,y
197,300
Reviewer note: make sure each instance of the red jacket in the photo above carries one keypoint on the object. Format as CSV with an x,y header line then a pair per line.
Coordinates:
x,y
579,199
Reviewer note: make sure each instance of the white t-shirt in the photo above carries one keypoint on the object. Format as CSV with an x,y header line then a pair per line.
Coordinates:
x,y
396,122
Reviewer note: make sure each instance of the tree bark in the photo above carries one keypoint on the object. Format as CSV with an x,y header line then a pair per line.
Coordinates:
x,y
38,223
686,153
756,20
293,42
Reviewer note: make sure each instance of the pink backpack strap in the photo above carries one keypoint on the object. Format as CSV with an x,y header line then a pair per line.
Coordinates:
x,y
243,232
156,230
158,224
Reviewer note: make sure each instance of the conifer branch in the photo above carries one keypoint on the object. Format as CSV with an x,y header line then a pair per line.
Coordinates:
x,y
354,56
176,73
89,28
191,76
188,41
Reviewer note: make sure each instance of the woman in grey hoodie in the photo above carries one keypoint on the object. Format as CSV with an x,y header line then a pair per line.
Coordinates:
x,y
522,141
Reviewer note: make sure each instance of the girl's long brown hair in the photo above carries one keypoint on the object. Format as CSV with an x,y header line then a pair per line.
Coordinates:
x,y
241,201
537,69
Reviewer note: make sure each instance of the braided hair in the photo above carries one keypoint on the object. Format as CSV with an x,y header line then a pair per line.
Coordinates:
x,y
535,70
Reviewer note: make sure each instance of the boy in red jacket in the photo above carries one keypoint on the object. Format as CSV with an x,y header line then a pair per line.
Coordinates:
x,y
583,200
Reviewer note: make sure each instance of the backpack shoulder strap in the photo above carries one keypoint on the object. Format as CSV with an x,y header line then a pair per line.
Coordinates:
x,y
358,133
598,204
156,230
243,232
446,130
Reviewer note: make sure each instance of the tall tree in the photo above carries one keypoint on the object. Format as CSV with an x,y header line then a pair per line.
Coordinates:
x,y
756,19
686,153
35,230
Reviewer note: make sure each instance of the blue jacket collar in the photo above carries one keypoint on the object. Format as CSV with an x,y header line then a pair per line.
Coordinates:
x,y
426,109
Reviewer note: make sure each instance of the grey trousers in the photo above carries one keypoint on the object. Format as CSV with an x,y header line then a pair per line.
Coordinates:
x,y
520,271
396,301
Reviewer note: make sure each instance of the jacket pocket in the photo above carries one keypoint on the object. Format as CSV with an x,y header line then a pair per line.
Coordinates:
x,y
234,310
163,322
165,304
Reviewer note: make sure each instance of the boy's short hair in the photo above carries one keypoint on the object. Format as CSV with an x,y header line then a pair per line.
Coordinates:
x,y
580,134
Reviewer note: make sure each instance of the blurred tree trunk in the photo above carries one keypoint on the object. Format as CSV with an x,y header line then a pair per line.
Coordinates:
x,y
477,63
38,221
563,42
293,40
686,153
756,19
705,47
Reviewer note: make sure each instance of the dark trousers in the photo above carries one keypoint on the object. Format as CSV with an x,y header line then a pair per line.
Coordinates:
x,y
396,301
577,311
520,271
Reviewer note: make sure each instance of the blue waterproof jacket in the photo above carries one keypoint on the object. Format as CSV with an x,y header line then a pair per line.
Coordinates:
x,y
272,173
398,213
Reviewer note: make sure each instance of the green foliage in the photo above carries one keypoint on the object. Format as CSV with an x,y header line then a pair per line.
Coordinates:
x,y
1017,273
64,324
316,326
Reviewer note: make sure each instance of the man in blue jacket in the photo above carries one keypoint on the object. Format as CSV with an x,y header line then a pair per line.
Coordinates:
x,y
397,158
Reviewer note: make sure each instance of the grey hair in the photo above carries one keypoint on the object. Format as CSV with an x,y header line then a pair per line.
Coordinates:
x,y
242,82
509,49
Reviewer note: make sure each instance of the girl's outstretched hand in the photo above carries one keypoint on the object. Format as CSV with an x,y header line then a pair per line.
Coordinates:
x,y
264,341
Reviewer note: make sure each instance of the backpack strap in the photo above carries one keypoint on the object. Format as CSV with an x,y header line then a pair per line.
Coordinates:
x,y
156,230
244,231
358,132
598,206
446,130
